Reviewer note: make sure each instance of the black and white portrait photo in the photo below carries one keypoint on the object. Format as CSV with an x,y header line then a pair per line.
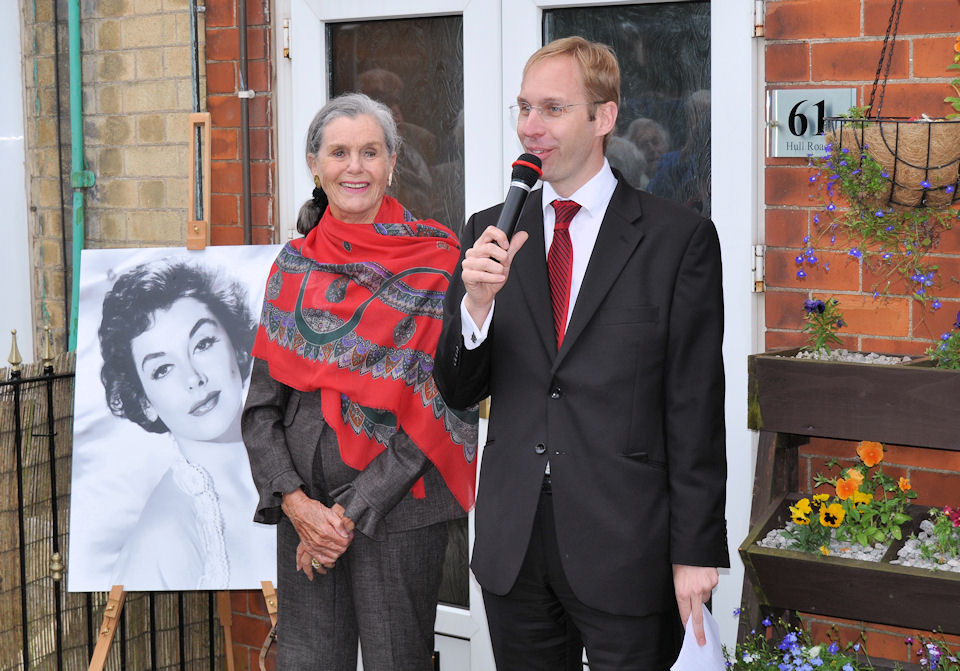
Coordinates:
x,y
162,495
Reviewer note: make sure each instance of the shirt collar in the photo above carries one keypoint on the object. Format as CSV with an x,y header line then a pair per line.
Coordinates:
x,y
592,196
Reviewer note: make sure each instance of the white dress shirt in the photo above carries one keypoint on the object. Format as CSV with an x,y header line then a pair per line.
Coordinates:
x,y
593,198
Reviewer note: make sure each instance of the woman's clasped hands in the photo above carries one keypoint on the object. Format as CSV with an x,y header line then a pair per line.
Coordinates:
x,y
325,533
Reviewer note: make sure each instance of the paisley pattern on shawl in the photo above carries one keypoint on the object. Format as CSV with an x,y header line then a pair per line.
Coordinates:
x,y
355,310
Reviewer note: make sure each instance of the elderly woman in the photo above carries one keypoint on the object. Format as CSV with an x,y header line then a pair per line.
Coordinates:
x,y
175,340
356,457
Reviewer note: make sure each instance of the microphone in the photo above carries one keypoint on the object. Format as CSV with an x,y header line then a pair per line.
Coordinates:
x,y
526,172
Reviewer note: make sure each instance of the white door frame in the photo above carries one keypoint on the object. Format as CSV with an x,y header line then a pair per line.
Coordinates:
x,y
498,38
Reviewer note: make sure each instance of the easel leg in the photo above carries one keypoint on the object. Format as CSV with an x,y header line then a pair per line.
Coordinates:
x,y
226,621
270,598
111,616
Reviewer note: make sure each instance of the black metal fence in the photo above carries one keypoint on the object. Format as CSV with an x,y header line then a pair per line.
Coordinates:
x,y
42,626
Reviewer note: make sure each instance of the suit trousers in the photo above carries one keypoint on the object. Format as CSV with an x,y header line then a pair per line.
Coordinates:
x,y
385,592
540,624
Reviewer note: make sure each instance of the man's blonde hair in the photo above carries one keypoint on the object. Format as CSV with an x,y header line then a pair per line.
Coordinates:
x,y
598,68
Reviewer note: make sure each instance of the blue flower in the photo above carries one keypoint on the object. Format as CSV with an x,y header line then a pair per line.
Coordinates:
x,y
945,336
845,150
956,324
826,267
936,305
801,274
831,207
885,174
847,667
816,661
834,648
812,260
878,213
799,260
816,218
766,622
736,611
813,178
855,253
926,184
949,189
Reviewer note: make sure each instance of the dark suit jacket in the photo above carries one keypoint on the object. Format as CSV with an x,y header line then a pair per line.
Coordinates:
x,y
629,411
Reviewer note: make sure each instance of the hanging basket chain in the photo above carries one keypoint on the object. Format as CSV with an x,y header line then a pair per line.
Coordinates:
x,y
893,25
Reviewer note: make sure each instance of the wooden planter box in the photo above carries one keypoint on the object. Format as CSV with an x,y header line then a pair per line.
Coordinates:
x,y
908,404
856,590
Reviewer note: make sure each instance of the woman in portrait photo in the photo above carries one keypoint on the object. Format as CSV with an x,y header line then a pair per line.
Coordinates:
x,y
357,459
175,340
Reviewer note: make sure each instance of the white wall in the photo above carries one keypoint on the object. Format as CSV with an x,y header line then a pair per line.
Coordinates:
x,y
15,249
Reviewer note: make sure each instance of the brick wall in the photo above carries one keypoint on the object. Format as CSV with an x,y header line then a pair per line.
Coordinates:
x,y
137,100
825,43
223,82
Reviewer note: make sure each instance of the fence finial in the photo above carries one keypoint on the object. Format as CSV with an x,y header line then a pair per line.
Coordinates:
x,y
14,359
47,348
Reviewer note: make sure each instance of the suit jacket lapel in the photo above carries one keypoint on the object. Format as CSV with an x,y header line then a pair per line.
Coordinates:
x,y
620,233
529,270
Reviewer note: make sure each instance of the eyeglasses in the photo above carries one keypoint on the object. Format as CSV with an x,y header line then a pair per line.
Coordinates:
x,y
546,113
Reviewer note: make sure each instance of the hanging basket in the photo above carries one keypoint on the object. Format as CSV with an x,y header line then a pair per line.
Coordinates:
x,y
921,157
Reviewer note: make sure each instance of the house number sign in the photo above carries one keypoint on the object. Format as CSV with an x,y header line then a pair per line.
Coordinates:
x,y
796,118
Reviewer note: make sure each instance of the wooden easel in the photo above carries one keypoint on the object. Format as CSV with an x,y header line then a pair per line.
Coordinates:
x,y
114,606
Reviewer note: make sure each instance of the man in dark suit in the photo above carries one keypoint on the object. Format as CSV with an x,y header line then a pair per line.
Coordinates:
x,y
600,511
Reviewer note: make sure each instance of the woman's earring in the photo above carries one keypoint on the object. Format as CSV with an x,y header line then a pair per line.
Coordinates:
x,y
316,181
390,179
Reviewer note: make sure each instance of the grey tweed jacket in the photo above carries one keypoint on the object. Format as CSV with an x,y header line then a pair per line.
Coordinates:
x,y
291,446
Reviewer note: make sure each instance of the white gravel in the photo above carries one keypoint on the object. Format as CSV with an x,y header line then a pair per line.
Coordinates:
x,y
910,554
852,357
841,549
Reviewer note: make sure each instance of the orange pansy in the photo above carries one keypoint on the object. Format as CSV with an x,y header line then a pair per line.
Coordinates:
x,y
871,452
904,484
845,488
956,47
855,476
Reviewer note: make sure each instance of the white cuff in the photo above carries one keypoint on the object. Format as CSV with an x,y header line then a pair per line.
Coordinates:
x,y
473,335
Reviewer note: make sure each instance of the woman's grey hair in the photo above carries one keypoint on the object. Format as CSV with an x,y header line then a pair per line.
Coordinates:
x,y
351,106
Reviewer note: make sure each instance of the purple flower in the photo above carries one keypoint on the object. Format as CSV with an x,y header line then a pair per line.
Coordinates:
x,y
956,324
812,306
878,213
908,640
885,174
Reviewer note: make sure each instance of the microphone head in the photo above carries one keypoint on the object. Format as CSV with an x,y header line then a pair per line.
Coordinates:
x,y
526,169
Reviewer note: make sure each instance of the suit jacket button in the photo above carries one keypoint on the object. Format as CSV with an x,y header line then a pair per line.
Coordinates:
x,y
556,393
540,448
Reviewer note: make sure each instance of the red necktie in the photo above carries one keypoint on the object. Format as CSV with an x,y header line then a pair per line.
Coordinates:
x,y
560,264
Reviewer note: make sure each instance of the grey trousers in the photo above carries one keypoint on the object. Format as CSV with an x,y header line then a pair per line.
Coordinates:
x,y
384,592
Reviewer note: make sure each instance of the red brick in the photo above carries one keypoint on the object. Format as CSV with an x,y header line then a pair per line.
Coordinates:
x,y
225,210
784,339
223,44
261,144
930,325
787,62
781,270
258,605
870,316
852,61
224,110
784,309
250,629
932,55
238,601
224,144
220,14
261,179
788,186
261,211
221,77
917,457
916,18
831,447
257,12
785,228
889,346
258,76
226,235
263,235
258,43
948,274
260,112
936,489
913,99
806,19
225,177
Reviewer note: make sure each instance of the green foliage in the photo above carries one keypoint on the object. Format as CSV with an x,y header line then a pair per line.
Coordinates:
x,y
946,535
821,321
946,353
